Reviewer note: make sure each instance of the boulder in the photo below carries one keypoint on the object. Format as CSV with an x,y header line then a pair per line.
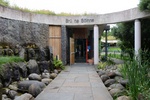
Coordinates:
x,y
111,74
24,85
104,77
101,72
31,53
12,94
118,73
22,53
15,72
117,85
6,74
25,96
5,90
53,75
113,67
45,75
23,69
118,78
43,65
35,89
13,87
4,97
123,98
124,82
42,54
34,76
109,82
32,67
116,92
46,81
56,71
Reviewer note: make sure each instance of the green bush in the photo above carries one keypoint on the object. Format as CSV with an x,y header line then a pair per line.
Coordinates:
x,y
4,2
102,65
136,71
58,64
9,59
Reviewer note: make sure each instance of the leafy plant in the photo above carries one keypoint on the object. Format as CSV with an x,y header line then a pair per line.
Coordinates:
x,y
58,64
144,5
4,2
102,65
9,59
136,71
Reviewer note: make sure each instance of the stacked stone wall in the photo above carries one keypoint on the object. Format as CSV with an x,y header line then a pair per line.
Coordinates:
x,y
21,32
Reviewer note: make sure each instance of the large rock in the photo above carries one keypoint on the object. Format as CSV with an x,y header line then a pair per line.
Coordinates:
x,y
117,85
43,65
124,82
23,69
101,72
5,90
118,73
31,54
32,67
35,89
45,75
25,96
15,72
12,94
13,87
22,53
34,76
118,78
42,54
4,97
53,75
104,77
111,74
123,98
6,74
109,82
116,92
46,81
56,71
24,85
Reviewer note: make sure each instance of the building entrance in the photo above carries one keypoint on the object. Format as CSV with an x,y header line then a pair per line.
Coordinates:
x,y
80,45
80,50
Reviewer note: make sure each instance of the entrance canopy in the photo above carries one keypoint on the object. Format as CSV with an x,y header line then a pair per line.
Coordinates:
x,y
116,17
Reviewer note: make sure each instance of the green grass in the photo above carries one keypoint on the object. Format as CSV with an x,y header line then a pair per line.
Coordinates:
x,y
9,59
113,49
102,65
137,73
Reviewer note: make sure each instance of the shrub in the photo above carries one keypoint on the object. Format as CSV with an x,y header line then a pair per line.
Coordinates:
x,y
9,59
136,71
58,64
102,65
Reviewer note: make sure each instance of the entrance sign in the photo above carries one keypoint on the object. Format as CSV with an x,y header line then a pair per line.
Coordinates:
x,y
82,20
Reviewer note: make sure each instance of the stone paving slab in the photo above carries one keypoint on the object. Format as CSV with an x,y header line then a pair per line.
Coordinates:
x,y
77,82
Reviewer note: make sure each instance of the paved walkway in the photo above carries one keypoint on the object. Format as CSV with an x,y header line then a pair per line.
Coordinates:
x,y
77,82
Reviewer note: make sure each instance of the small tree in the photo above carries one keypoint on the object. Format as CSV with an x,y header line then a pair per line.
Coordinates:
x,y
125,33
144,5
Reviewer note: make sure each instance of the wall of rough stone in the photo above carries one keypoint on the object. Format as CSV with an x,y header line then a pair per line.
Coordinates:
x,y
21,32
64,43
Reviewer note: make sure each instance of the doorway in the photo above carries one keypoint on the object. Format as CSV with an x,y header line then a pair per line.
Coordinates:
x,y
80,50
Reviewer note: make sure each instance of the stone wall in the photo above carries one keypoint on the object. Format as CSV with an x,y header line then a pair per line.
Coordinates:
x,y
21,32
64,42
